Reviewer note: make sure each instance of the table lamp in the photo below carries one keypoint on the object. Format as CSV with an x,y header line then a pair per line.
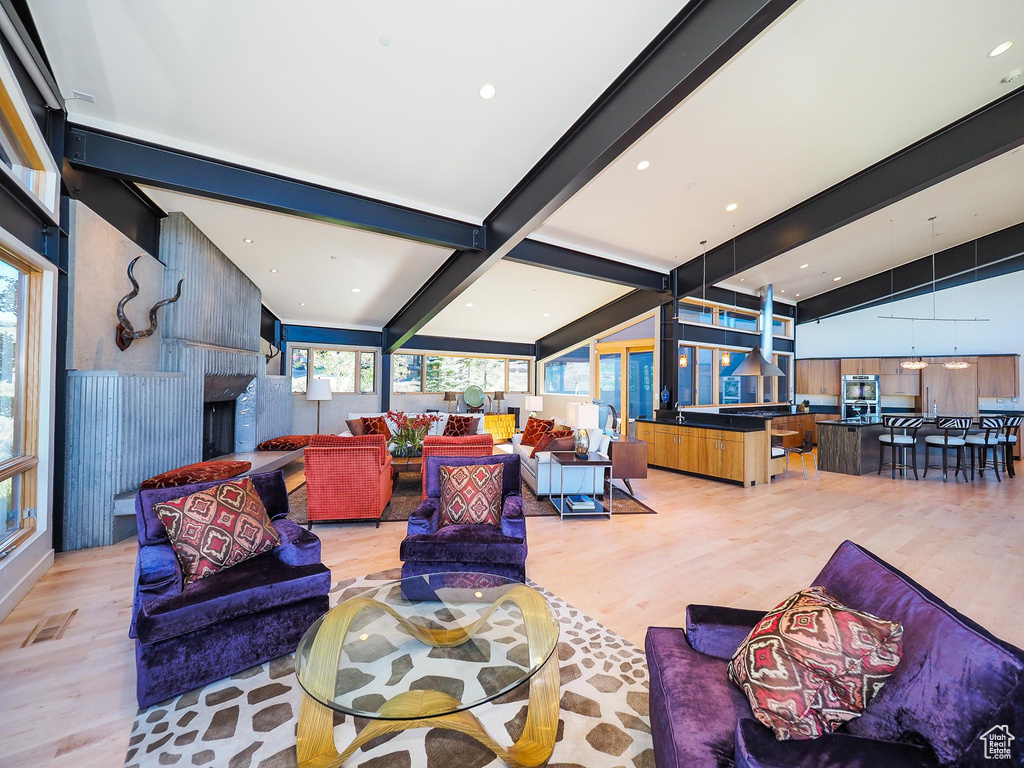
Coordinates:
x,y
534,403
451,397
497,397
318,390
582,416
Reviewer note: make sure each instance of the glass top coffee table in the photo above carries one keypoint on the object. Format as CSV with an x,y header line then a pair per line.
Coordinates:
x,y
422,653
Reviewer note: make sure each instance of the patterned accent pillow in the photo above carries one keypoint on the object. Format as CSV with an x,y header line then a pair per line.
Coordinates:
x,y
375,425
558,439
284,443
535,428
470,495
460,426
811,664
217,527
201,472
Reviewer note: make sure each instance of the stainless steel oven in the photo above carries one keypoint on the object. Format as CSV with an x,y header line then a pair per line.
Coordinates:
x,y
862,395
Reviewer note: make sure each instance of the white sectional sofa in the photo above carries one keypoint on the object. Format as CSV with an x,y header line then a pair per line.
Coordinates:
x,y
436,429
542,474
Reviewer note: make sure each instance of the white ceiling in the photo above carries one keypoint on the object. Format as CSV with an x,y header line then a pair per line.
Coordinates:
x,y
993,190
310,91
317,263
830,89
510,301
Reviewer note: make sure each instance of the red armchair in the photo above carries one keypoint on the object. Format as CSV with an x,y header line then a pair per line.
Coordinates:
x,y
466,445
347,478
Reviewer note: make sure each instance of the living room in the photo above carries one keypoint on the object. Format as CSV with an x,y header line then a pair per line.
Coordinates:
x,y
473,404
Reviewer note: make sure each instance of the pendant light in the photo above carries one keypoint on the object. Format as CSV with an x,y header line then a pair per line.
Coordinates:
x,y
955,365
914,363
726,358
684,360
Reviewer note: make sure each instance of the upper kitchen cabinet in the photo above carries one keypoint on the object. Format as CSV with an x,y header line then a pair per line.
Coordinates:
x,y
955,391
817,376
851,366
999,376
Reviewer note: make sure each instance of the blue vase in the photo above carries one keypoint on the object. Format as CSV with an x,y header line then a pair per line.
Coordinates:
x,y
665,395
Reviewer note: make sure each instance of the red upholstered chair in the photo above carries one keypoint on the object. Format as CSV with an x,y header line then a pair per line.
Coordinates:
x,y
347,478
468,445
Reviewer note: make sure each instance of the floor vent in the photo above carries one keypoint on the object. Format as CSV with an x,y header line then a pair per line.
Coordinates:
x,y
50,628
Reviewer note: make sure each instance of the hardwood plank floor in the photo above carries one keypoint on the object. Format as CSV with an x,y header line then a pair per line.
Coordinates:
x,y
71,701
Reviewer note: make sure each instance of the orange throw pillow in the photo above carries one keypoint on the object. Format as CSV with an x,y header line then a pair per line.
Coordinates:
x,y
558,439
535,428
376,425
201,472
284,443
460,426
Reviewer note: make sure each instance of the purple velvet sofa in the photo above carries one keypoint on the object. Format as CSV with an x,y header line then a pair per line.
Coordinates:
x,y
459,548
956,682
245,615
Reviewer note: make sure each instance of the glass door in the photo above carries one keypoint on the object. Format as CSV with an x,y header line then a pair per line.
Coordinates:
x,y
641,384
609,386
625,382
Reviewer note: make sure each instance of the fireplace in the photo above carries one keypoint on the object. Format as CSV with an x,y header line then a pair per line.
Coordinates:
x,y
218,429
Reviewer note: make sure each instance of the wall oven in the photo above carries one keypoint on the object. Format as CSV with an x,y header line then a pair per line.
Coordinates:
x,y
862,396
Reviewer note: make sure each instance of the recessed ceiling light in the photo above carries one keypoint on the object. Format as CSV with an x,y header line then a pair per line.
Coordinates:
x,y
469,303
302,303
731,207
643,165
1001,48
247,240
798,295
487,91
783,290
804,266
385,40
837,279
741,279
547,314
356,290
274,271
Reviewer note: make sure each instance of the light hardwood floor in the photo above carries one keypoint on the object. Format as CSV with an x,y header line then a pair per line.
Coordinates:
x,y
71,701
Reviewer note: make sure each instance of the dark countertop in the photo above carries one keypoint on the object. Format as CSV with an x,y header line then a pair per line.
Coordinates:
x,y
876,421
727,424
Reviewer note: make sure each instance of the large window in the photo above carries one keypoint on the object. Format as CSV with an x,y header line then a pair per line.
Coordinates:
x,y
568,374
706,377
695,312
450,373
350,371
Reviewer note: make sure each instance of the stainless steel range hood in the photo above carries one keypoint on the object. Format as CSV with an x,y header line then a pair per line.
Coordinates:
x,y
758,361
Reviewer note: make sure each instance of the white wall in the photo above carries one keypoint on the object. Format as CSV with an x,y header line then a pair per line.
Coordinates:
x,y
864,334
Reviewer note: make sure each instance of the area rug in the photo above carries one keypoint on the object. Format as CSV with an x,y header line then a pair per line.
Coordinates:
x,y
408,494
249,720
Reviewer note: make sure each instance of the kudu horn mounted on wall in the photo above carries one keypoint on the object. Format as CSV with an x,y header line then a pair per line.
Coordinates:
x,y
126,332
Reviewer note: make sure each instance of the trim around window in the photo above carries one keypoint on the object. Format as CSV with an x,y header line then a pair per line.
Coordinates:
x,y
352,370
415,373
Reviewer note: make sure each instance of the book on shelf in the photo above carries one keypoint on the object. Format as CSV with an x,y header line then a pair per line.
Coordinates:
x,y
578,503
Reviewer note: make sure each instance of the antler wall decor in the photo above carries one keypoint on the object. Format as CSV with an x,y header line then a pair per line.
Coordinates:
x,y
126,332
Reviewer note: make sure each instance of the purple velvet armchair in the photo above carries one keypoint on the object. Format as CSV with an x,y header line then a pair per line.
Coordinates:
x,y
245,615
460,548
955,683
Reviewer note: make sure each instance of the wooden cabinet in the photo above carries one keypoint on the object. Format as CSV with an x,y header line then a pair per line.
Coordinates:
x,y
851,366
818,376
999,376
889,366
742,457
690,443
721,458
956,392
666,447
906,383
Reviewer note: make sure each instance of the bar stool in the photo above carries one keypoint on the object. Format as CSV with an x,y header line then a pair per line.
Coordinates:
x,y
953,437
1011,426
898,444
980,443
806,449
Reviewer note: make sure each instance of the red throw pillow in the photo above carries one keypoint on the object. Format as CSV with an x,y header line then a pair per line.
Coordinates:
x,y
202,472
812,664
558,439
284,443
355,426
460,426
470,495
535,428
216,528
376,425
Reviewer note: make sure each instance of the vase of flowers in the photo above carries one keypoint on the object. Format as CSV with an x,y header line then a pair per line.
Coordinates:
x,y
407,439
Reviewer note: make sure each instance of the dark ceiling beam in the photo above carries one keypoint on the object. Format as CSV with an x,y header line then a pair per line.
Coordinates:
x,y
143,163
614,313
685,54
120,203
546,256
999,253
987,133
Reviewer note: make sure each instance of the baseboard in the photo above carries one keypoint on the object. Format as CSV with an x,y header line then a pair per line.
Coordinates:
x,y
23,575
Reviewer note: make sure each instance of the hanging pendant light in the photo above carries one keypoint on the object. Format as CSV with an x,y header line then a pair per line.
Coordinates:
x,y
955,365
684,360
726,359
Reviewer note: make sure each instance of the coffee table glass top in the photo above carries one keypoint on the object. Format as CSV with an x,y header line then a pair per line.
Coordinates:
x,y
469,636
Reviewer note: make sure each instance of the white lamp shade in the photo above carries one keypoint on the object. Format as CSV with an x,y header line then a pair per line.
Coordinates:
x,y
318,389
582,416
534,403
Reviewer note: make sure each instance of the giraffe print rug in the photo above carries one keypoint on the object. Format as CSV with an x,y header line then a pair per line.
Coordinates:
x,y
249,720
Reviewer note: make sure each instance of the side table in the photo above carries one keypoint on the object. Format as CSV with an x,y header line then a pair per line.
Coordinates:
x,y
569,459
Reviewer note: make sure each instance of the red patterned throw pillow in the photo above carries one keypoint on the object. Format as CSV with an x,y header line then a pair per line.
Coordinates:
x,y
216,528
460,426
284,443
470,495
376,425
558,439
812,664
535,428
202,472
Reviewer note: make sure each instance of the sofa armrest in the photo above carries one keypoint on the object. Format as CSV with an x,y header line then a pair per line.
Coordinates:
x,y
298,546
717,631
423,519
517,438
513,522
157,574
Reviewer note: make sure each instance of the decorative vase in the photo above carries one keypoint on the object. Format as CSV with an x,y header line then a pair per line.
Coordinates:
x,y
582,443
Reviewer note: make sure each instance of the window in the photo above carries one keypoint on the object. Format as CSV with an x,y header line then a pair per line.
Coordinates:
x,y
568,374
692,311
407,373
705,376
695,313
687,374
518,376
715,383
344,368
24,155
733,390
